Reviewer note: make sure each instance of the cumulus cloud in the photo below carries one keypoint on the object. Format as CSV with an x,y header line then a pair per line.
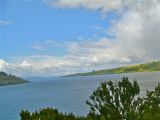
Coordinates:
x,y
103,5
42,65
137,36
3,64
137,33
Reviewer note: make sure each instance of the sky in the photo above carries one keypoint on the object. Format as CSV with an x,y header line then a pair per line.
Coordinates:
x,y
58,37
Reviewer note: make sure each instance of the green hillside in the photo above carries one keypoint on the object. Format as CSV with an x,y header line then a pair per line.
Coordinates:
x,y
147,67
6,79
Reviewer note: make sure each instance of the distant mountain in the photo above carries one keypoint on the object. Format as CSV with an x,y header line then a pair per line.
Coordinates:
x,y
147,67
6,79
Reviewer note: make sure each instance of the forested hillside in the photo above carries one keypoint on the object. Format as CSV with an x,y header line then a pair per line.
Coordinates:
x,y
6,79
147,67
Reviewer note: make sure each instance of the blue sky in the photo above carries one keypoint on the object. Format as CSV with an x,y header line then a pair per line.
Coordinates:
x,y
33,22
68,36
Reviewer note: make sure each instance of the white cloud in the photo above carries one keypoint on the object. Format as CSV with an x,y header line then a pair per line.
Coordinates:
x,y
25,64
103,5
137,33
38,47
137,38
3,64
42,66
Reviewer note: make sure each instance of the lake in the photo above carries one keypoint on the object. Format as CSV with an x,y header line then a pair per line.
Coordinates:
x,y
67,94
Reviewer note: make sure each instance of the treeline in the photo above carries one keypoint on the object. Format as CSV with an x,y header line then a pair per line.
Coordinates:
x,y
110,101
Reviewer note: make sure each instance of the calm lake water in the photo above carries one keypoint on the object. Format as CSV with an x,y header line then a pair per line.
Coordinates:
x,y
66,94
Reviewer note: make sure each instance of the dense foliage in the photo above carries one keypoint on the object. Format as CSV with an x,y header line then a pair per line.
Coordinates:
x,y
110,101
147,67
48,114
116,101
6,79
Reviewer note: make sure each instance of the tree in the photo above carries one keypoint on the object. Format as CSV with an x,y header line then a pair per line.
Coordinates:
x,y
116,101
25,115
150,108
48,114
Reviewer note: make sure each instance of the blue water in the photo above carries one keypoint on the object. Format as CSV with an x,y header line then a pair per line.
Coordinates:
x,y
66,94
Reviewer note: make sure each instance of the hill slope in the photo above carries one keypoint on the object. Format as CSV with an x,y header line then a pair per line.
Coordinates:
x,y
6,79
147,67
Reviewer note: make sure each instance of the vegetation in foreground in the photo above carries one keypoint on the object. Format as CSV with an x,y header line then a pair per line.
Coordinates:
x,y
110,101
147,67
6,79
